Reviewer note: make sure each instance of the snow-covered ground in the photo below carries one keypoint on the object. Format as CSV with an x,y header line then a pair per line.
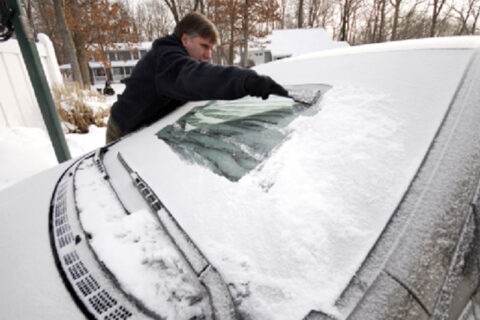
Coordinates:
x,y
27,151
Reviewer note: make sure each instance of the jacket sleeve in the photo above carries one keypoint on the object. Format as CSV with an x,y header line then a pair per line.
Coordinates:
x,y
181,77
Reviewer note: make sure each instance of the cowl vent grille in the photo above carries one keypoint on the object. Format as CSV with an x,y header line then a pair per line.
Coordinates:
x,y
92,287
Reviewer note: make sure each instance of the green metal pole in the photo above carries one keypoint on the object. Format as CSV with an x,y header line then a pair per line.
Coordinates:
x,y
30,55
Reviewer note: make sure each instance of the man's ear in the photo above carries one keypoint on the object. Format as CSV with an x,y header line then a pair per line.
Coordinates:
x,y
185,37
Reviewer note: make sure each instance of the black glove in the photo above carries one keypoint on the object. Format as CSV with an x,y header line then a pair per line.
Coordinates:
x,y
263,86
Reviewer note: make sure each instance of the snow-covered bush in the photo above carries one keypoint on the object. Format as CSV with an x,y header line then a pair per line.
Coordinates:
x,y
79,108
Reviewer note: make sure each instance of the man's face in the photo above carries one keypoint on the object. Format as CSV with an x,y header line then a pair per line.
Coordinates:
x,y
197,47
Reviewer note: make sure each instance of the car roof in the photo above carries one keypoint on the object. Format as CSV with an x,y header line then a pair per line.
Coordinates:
x,y
459,42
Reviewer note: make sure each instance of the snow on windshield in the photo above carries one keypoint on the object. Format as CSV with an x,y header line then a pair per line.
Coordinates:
x,y
282,247
280,233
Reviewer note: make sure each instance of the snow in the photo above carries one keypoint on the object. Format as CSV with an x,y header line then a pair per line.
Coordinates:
x,y
165,285
293,42
25,151
28,151
250,232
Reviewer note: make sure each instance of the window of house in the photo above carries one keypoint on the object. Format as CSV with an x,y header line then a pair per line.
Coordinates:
x,y
123,55
118,71
135,54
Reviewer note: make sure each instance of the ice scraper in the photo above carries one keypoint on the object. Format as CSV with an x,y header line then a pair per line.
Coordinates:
x,y
307,94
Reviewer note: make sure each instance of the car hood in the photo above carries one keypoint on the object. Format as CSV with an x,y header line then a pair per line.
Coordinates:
x,y
30,281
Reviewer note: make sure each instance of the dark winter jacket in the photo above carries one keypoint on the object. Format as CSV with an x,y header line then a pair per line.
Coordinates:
x,y
167,77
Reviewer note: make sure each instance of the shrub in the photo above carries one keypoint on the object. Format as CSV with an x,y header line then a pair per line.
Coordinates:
x,y
78,108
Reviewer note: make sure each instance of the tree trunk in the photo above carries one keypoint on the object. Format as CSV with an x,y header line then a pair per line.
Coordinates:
x,y
199,6
172,5
231,40
437,7
245,35
67,38
345,16
80,46
396,14
381,31
474,25
282,23
82,60
300,14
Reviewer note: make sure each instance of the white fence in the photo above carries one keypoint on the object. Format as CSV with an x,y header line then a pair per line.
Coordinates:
x,y
18,105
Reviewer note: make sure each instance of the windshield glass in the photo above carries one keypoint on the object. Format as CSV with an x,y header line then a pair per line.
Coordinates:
x,y
233,137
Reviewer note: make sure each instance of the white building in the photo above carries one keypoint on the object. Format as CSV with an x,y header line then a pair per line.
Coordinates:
x,y
122,58
291,42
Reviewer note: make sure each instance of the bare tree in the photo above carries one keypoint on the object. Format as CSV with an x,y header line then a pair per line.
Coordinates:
x,y
348,9
283,10
300,14
179,8
381,26
320,13
476,14
172,5
468,11
437,6
396,14
414,24
150,19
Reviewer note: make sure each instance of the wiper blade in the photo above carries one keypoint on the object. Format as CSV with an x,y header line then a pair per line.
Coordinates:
x,y
220,298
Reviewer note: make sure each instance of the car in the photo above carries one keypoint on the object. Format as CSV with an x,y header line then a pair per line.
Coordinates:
x,y
362,204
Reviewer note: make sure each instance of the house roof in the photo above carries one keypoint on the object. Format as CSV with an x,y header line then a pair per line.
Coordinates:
x,y
292,42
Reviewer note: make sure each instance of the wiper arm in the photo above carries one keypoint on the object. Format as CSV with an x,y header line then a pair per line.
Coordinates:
x,y
220,298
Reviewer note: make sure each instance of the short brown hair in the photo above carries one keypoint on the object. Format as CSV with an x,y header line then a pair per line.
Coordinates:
x,y
196,24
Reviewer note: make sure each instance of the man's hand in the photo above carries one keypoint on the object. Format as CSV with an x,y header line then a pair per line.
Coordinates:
x,y
263,86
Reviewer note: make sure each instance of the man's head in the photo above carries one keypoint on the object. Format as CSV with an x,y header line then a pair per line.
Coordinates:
x,y
198,34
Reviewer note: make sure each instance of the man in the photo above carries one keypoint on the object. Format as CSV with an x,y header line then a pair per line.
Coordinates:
x,y
176,70
108,90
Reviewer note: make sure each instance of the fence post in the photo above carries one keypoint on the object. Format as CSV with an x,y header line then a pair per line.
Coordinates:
x,y
42,91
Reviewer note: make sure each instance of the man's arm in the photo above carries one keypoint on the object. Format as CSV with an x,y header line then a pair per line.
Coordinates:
x,y
180,77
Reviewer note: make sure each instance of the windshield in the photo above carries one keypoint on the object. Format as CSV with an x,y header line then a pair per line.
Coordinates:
x,y
233,137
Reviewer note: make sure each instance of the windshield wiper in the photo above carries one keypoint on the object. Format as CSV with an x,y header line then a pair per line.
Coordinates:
x,y
220,298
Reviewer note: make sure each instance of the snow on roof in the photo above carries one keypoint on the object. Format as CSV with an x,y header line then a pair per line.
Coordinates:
x,y
127,46
293,42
